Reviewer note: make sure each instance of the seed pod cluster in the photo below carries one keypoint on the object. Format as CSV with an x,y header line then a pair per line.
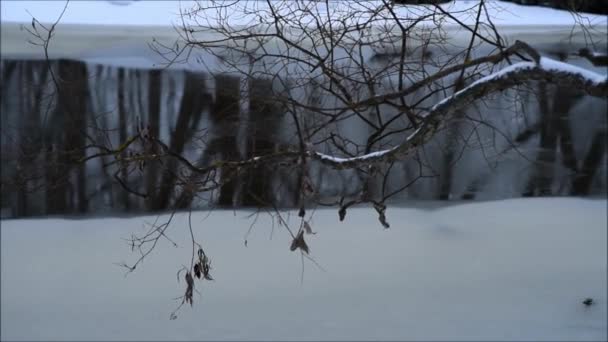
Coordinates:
x,y
202,266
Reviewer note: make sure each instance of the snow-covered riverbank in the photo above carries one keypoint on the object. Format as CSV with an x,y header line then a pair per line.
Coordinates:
x,y
504,270
101,32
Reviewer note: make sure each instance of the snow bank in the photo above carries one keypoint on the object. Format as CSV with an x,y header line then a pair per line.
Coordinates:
x,y
166,13
121,34
507,270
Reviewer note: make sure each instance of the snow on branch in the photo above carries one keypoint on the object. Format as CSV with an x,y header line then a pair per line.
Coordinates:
x,y
545,69
553,65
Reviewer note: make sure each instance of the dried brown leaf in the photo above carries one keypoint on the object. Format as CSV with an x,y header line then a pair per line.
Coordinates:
x,y
381,208
342,213
298,242
197,270
189,289
308,228
206,269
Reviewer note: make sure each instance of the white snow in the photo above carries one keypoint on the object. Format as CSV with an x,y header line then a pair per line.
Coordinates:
x,y
495,75
553,65
101,32
157,13
364,157
506,270
545,63
368,156
166,13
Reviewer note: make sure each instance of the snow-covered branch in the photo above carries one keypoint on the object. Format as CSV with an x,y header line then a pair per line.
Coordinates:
x,y
547,70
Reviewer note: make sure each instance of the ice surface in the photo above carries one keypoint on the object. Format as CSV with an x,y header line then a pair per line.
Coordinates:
x,y
505,270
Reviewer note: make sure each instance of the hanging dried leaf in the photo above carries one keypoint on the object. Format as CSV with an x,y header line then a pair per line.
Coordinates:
x,y
293,245
342,213
381,208
179,272
189,279
298,242
308,228
206,269
189,289
205,266
382,219
197,270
